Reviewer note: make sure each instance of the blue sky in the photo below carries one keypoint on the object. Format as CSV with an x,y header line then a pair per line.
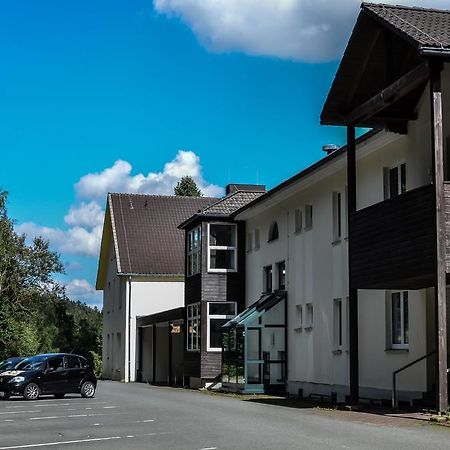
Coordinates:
x,y
84,84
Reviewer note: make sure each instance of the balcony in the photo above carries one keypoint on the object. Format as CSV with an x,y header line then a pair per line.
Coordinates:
x,y
393,242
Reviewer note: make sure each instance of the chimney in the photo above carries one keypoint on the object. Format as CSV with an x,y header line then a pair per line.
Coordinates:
x,y
330,148
231,188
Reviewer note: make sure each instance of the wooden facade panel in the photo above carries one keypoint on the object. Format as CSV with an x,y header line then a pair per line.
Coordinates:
x,y
192,364
211,365
393,242
447,224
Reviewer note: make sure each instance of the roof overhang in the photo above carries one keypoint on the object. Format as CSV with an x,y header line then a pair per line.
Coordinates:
x,y
161,317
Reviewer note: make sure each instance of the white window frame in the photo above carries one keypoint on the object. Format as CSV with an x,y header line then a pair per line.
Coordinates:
x,y
216,316
338,324
193,341
222,247
399,345
195,252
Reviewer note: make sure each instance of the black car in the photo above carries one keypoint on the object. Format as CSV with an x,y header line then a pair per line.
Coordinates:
x,y
55,373
10,363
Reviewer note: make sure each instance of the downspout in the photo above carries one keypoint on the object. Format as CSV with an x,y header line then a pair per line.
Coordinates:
x,y
129,329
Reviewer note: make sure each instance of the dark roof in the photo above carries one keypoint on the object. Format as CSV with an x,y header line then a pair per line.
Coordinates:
x,y
226,206
423,26
145,231
297,177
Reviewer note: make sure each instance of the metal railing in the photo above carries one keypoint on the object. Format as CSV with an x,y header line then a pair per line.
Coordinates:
x,y
394,376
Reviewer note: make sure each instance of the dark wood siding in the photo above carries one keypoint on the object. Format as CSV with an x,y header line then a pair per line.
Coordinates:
x,y
447,226
393,242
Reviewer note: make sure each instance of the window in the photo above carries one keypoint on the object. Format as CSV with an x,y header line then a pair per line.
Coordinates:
x,y
194,251
308,217
73,362
219,313
394,181
337,216
309,316
267,271
273,232
257,239
337,316
399,320
281,270
298,219
55,364
249,242
193,327
222,248
298,317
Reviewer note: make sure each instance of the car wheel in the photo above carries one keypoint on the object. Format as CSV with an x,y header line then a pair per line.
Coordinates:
x,y
61,395
31,392
87,389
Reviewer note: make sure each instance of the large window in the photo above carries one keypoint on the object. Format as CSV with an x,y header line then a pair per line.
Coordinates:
x,y
399,320
193,327
194,251
219,313
222,247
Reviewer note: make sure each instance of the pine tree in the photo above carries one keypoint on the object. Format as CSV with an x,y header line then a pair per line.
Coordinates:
x,y
187,187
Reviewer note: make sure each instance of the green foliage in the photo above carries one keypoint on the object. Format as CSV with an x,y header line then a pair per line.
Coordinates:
x,y
96,360
35,314
187,187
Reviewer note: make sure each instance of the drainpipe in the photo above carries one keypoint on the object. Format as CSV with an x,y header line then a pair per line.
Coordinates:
x,y
129,328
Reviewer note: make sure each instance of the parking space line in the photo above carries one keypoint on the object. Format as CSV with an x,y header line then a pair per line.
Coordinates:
x,y
77,441
7,413
73,416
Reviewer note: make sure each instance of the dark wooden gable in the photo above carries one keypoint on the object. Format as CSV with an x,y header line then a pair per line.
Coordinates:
x,y
376,60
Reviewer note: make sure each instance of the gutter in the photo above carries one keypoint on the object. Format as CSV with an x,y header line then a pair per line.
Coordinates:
x,y
435,51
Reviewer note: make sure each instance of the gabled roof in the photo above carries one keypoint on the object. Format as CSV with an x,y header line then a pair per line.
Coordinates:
x,y
227,205
424,27
143,230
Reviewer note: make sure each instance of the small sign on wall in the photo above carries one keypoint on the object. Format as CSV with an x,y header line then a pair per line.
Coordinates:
x,y
175,329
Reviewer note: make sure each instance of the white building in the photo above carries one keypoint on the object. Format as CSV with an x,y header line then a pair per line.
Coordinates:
x,y
140,271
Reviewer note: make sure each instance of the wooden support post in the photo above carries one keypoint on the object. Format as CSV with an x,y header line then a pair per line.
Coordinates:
x,y
154,354
170,353
440,274
353,293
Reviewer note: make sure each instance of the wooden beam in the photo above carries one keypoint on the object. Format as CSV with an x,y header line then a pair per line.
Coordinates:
x,y
440,274
391,94
154,354
353,293
170,353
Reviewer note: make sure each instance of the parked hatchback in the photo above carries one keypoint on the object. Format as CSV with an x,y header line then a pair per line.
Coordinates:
x,y
56,373
10,363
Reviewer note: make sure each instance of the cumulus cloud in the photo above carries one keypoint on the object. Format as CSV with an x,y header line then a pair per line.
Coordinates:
x,y
119,178
307,30
85,215
82,290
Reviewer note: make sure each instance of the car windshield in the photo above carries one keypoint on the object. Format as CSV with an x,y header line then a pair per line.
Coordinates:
x,y
5,365
30,364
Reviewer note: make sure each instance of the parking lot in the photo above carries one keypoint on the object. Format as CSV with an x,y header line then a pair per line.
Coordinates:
x,y
137,416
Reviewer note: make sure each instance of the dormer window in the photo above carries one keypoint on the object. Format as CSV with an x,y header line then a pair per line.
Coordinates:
x,y
273,232
222,247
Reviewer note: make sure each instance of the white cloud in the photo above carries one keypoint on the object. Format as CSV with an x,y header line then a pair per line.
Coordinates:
x,y
85,215
82,290
307,30
119,178
76,240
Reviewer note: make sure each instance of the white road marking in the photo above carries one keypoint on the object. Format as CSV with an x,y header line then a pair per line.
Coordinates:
x,y
19,412
78,441
70,409
72,416
146,421
97,424
8,420
209,448
109,407
43,418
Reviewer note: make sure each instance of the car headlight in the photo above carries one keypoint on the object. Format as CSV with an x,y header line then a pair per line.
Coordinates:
x,y
17,380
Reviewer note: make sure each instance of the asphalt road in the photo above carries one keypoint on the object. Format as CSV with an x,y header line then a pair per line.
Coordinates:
x,y
137,416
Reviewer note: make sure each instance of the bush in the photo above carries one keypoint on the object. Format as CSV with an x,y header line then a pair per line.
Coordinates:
x,y
96,360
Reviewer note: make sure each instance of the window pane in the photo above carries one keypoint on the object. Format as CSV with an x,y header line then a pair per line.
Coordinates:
x,y
222,235
405,319
222,309
396,319
393,182
73,362
215,332
282,275
56,364
403,178
253,344
222,259
268,279
254,373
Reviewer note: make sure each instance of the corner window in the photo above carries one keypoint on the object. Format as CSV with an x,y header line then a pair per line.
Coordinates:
x,y
193,327
395,181
281,270
267,273
298,221
219,313
337,319
337,216
273,232
222,247
257,239
399,320
194,251
308,217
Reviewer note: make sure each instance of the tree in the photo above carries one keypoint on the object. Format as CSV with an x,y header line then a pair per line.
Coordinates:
x,y
187,187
